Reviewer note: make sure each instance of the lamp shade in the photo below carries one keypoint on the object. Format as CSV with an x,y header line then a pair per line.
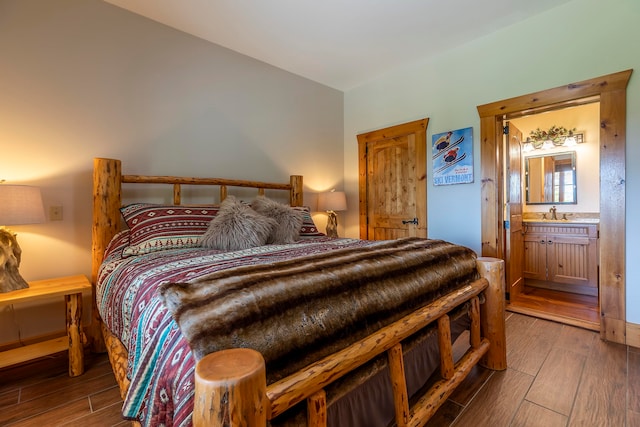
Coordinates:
x,y
20,204
332,201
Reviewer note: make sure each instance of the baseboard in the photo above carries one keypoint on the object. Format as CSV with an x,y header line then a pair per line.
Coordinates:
x,y
633,334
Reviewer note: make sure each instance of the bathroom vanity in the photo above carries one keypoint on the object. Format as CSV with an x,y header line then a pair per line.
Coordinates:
x,y
562,255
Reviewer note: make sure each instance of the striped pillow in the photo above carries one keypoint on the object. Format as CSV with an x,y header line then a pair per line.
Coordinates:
x,y
308,228
156,227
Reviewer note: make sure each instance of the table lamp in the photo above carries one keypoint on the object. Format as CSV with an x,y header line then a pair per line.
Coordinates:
x,y
331,202
19,204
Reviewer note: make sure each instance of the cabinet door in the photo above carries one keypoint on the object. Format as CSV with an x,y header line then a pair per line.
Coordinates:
x,y
568,260
535,256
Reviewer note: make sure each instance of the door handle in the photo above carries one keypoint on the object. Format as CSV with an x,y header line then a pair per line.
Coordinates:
x,y
550,242
542,242
410,221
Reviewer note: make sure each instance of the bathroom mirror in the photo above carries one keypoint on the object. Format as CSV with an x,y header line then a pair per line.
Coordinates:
x,y
551,179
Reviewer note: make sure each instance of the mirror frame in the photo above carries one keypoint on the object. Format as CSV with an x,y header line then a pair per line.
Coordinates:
x,y
551,202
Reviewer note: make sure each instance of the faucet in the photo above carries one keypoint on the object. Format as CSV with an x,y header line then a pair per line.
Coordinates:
x,y
552,211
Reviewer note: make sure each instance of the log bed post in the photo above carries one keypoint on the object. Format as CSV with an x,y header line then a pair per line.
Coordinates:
x,y
231,389
107,188
228,391
493,313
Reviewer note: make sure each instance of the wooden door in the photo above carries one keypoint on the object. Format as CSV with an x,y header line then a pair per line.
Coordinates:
x,y
514,233
393,188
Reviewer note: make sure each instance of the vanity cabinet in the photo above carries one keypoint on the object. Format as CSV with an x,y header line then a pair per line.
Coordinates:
x,y
561,256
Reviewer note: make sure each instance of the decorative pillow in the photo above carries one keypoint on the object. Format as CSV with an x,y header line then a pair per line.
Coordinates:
x,y
156,227
308,228
289,220
237,226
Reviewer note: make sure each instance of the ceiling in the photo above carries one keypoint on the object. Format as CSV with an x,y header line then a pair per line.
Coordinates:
x,y
339,43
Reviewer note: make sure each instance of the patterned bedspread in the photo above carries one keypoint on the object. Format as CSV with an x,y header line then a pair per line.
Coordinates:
x,y
161,363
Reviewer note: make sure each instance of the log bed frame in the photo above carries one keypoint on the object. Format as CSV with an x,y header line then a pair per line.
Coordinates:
x,y
230,385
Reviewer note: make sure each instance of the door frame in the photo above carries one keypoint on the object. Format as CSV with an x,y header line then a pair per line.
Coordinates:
x,y
610,91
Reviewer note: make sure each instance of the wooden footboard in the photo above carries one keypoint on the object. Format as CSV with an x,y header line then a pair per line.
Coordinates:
x,y
231,385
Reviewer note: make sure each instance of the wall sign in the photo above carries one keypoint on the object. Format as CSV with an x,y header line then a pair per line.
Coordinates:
x,y
452,154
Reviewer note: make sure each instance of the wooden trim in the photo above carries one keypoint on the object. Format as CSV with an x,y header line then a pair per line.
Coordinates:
x,y
612,278
362,189
492,196
587,88
610,90
633,334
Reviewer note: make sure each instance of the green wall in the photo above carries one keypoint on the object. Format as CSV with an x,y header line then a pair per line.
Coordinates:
x,y
579,40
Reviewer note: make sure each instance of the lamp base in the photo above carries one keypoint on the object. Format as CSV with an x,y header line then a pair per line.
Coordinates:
x,y
332,224
10,254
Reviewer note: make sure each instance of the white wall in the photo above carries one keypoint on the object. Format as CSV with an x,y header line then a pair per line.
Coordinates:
x,y
579,40
81,79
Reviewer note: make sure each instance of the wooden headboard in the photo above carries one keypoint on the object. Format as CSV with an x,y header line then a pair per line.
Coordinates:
x,y
107,200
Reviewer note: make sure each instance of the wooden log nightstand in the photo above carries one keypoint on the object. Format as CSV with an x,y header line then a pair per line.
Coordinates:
x,y
71,288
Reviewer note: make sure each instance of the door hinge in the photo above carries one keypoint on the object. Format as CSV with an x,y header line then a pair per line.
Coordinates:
x,y
410,221
505,130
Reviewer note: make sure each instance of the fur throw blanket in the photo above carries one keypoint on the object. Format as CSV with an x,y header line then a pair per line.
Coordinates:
x,y
297,311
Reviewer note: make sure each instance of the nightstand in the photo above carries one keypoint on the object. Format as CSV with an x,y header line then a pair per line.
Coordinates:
x,y
71,288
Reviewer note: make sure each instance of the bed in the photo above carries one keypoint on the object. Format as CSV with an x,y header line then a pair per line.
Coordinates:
x,y
309,332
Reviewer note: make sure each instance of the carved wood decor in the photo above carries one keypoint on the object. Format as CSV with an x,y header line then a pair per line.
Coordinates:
x,y
10,254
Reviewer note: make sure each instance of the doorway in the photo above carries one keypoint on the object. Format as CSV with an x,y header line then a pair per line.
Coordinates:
x,y
610,91
556,258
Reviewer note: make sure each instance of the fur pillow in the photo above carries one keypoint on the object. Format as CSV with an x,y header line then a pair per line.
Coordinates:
x,y
288,219
237,227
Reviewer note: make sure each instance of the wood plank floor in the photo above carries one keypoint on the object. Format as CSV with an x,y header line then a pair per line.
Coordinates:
x,y
564,307
558,375
41,393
